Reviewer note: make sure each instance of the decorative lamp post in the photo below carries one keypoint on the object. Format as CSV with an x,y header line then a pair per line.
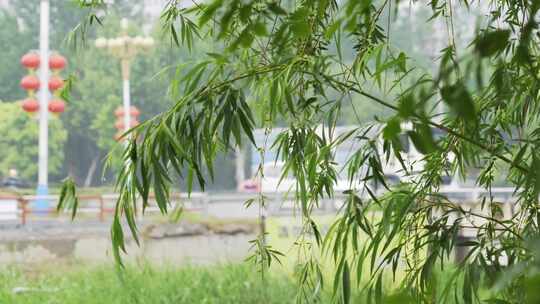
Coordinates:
x,y
32,61
125,48
43,145
44,85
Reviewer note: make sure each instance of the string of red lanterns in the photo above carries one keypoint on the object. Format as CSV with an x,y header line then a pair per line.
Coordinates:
x,y
119,124
31,82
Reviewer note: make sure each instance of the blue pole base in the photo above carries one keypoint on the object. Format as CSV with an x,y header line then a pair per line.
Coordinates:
x,y
42,205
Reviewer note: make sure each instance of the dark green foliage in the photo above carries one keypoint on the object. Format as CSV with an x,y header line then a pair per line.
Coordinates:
x,y
68,195
283,63
459,100
492,42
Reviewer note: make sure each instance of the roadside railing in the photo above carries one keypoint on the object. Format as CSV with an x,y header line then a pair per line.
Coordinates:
x,y
12,208
21,209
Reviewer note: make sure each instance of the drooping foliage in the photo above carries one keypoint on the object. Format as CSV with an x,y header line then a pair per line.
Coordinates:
x,y
283,61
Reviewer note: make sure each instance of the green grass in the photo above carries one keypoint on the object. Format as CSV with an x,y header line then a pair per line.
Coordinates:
x,y
102,284
66,284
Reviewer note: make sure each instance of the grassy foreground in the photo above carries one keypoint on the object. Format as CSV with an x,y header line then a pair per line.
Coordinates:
x,y
102,284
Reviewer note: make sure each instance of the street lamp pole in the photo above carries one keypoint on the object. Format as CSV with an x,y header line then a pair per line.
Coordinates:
x,y
42,188
125,48
126,93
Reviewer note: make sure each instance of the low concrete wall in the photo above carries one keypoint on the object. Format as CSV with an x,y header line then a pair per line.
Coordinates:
x,y
200,249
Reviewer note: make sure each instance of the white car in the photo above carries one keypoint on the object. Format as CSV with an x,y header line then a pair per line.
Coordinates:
x,y
272,181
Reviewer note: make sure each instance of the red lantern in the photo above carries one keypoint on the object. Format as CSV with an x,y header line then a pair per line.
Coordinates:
x,y
120,124
55,83
57,106
57,62
30,82
30,60
133,111
30,105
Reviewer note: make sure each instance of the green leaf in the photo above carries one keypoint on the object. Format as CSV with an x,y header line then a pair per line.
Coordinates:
x,y
68,197
402,62
329,32
346,283
422,138
406,106
459,100
275,8
209,11
493,42
259,28
245,12
174,35
316,232
299,24
249,202
392,129
246,39
378,289
117,237
176,214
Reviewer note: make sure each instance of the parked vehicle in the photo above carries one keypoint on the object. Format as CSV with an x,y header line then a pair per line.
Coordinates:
x,y
391,167
13,180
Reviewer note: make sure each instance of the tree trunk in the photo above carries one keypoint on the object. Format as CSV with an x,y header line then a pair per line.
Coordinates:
x,y
91,171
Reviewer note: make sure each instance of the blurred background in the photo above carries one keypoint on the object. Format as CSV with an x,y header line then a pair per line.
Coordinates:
x,y
81,138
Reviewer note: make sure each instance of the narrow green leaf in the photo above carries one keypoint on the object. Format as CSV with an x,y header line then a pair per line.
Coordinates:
x,y
346,283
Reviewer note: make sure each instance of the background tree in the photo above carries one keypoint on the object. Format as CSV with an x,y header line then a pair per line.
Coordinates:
x,y
96,85
20,142
11,73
